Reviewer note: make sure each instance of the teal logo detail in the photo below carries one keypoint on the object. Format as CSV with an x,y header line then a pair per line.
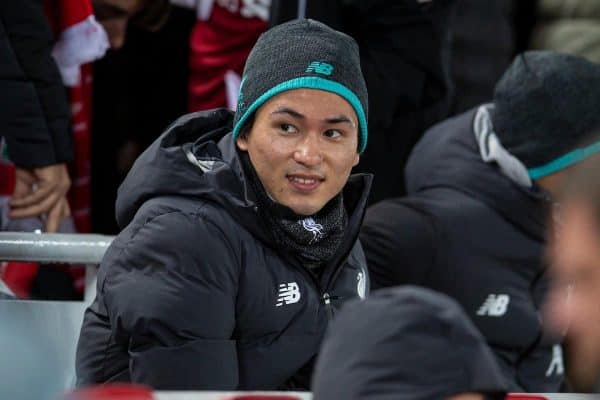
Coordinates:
x,y
320,67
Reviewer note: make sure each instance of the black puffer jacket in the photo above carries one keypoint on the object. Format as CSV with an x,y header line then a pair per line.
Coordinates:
x,y
192,294
34,112
468,231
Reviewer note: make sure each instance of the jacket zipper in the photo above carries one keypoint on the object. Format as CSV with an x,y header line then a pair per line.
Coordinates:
x,y
328,307
326,298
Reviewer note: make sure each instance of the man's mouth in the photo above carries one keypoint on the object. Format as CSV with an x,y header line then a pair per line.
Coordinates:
x,y
305,183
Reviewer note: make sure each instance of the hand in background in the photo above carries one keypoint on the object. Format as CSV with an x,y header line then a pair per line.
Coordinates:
x,y
42,191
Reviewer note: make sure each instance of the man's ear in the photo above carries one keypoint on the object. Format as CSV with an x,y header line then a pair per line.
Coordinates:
x,y
356,160
242,142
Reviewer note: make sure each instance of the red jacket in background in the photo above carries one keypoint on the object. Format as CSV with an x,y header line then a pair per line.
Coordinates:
x,y
219,47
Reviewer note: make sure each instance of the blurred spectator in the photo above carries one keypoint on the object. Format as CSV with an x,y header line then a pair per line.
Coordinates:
x,y
138,90
483,44
80,40
405,56
110,94
569,26
220,42
405,343
115,15
575,261
35,123
34,115
240,230
486,35
473,224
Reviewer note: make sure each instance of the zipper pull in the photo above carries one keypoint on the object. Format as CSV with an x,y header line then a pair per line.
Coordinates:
x,y
328,306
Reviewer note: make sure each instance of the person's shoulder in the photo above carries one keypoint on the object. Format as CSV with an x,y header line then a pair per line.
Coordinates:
x,y
401,241
397,215
188,212
178,234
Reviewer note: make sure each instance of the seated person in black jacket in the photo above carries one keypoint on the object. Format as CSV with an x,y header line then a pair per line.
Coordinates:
x,y
480,186
240,231
406,343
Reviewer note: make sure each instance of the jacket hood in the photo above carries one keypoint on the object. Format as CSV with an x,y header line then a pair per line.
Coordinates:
x,y
424,348
196,157
448,157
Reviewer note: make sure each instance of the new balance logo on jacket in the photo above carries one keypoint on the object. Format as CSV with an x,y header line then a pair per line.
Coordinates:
x,y
495,305
289,293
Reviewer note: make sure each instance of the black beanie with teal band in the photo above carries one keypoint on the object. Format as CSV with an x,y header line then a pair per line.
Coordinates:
x,y
303,54
547,111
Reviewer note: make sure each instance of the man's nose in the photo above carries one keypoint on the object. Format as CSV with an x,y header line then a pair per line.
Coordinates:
x,y
308,151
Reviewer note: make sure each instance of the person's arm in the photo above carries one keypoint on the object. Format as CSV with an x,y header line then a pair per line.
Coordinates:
x,y
170,294
37,125
34,113
399,243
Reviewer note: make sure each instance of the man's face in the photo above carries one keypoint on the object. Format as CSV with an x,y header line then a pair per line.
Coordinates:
x,y
574,303
303,145
114,16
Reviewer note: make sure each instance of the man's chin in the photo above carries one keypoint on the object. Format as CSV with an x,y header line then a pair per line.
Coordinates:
x,y
305,212
303,208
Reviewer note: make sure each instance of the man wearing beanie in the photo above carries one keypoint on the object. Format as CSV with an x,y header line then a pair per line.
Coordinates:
x,y
480,193
240,231
424,347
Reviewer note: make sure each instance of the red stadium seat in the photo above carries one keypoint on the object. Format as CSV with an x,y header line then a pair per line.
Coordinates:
x,y
116,391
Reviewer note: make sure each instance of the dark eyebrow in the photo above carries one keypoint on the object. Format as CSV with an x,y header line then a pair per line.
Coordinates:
x,y
339,119
285,110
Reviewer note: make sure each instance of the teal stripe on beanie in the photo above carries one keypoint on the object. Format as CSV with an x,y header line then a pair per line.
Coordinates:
x,y
311,82
565,161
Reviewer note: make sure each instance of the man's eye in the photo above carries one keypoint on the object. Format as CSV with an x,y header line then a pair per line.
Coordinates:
x,y
287,128
333,134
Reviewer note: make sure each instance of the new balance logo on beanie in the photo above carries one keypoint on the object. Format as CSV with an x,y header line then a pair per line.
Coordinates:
x,y
320,68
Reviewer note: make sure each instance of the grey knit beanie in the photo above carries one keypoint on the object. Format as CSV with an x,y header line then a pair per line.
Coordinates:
x,y
547,105
303,54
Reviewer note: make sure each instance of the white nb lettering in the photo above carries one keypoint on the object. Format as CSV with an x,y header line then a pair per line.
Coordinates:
x,y
289,293
495,305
